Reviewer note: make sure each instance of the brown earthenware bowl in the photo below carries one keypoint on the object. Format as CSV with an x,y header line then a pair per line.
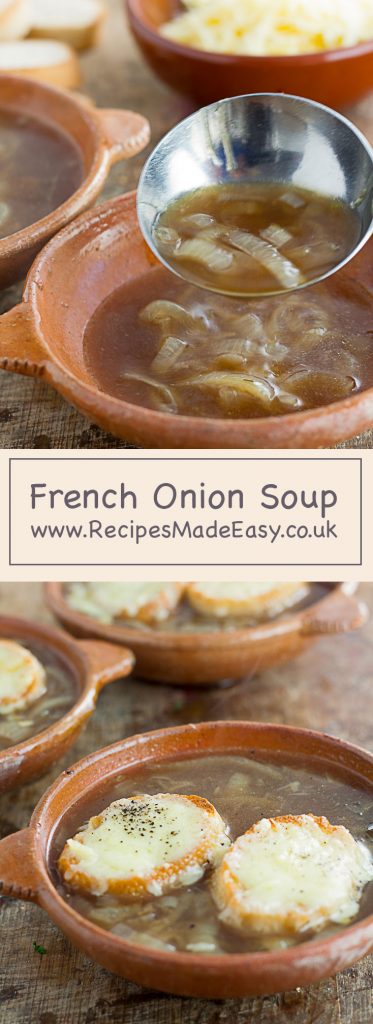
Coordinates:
x,y
91,663
334,77
103,137
44,337
26,863
200,659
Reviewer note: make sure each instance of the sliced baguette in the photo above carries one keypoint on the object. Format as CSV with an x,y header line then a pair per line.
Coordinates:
x,y
47,61
15,19
222,600
76,22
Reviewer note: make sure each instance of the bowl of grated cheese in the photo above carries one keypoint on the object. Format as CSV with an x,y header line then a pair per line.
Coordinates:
x,y
210,49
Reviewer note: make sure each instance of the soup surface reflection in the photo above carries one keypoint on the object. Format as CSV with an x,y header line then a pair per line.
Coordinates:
x,y
40,168
61,694
161,343
243,789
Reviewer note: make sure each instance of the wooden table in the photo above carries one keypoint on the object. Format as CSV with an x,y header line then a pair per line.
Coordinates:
x,y
328,688
32,415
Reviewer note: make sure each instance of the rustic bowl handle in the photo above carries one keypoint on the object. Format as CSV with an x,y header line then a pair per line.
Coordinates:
x,y
340,613
20,349
17,877
124,133
106,662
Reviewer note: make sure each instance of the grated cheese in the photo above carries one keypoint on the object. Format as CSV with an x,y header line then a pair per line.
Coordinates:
x,y
278,27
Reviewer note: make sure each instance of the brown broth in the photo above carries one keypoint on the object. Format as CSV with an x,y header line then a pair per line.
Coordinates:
x,y
184,619
61,694
236,359
297,236
243,789
40,168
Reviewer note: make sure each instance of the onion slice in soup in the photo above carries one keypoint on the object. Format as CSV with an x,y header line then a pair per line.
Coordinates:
x,y
165,396
268,256
243,383
168,354
202,250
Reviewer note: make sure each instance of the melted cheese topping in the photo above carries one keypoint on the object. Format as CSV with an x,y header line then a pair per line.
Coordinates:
x,y
286,875
225,599
145,845
276,27
148,602
22,677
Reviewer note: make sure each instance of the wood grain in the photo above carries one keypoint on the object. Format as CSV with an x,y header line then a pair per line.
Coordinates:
x,y
32,415
328,688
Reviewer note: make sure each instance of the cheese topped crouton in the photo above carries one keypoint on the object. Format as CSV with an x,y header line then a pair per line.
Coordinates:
x,y
290,874
235,599
146,602
22,677
145,846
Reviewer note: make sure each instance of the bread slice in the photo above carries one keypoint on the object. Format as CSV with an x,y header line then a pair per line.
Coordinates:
x,y
223,600
144,602
145,846
46,60
22,677
15,19
289,874
76,22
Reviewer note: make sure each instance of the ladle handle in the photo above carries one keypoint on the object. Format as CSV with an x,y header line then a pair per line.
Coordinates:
x,y
20,349
124,133
106,662
17,878
339,613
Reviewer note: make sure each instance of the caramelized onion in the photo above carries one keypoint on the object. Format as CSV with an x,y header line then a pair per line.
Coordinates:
x,y
168,354
277,235
243,383
268,256
166,398
201,250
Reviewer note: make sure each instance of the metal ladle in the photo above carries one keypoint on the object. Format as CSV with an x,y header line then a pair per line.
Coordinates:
x,y
261,138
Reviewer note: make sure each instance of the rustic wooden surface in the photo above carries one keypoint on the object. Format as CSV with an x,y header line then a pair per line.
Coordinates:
x,y
32,415
328,688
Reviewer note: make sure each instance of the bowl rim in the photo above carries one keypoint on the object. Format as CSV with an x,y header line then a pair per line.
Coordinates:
x,y
36,232
88,394
150,34
291,622
318,947
73,652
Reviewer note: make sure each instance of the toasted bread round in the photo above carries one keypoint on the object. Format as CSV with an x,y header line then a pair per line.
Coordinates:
x,y
290,874
15,19
145,846
224,600
77,24
145,602
42,59
22,677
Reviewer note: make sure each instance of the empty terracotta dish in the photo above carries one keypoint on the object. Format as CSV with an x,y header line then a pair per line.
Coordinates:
x,y
57,155
247,771
34,738
207,656
60,333
334,77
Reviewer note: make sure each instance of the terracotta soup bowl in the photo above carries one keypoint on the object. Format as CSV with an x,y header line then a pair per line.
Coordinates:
x,y
334,77
101,138
80,268
205,658
86,665
27,859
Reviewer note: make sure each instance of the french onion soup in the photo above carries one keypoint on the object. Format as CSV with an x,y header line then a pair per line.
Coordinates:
x,y
161,343
271,852
37,688
41,167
